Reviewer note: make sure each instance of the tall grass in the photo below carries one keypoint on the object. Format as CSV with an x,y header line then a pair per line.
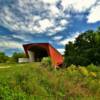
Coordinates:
x,y
31,81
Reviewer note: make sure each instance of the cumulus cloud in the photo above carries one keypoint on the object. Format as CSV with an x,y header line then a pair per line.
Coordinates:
x,y
61,50
30,17
71,38
94,15
57,37
46,23
38,16
78,5
18,36
6,42
35,16
63,22
10,44
65,41
50,1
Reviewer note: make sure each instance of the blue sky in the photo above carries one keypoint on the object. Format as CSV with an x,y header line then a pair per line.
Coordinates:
x,y
53,21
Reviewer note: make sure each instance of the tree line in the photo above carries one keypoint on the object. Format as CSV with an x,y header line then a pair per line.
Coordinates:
x,y
13,59
85,49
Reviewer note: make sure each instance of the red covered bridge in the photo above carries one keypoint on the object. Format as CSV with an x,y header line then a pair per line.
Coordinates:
x,y
36,51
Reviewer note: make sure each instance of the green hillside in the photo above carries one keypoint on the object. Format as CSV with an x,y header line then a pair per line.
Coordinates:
x,y
33,81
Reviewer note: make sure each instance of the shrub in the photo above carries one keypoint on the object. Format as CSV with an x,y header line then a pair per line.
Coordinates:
x,y
72,72
46,62
72,68
92,68
93,74
83,71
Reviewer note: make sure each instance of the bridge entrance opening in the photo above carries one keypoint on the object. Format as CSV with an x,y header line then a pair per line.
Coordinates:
x,y
36,54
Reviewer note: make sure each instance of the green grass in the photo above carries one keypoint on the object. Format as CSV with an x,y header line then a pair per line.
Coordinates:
x,y
33,81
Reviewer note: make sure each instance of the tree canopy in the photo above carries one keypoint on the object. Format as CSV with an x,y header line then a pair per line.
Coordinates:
x,y
85,49
13,59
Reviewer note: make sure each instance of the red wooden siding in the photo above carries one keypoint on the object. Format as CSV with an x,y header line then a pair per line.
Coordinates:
x,y
55,56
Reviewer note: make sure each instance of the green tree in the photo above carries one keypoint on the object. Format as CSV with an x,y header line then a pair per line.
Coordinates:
x,y
85,50
16,55
3,57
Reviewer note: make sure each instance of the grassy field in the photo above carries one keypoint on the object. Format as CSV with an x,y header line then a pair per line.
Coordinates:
x,y
33,81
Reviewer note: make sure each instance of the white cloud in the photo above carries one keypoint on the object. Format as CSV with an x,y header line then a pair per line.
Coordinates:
x,y
71,38
54,10
61,50
22,37
44,24
42,16
57,37
7,41
50,1
10,44
81,6
94,14
78,5
63,22
59,28
65,41
39,16
32,16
